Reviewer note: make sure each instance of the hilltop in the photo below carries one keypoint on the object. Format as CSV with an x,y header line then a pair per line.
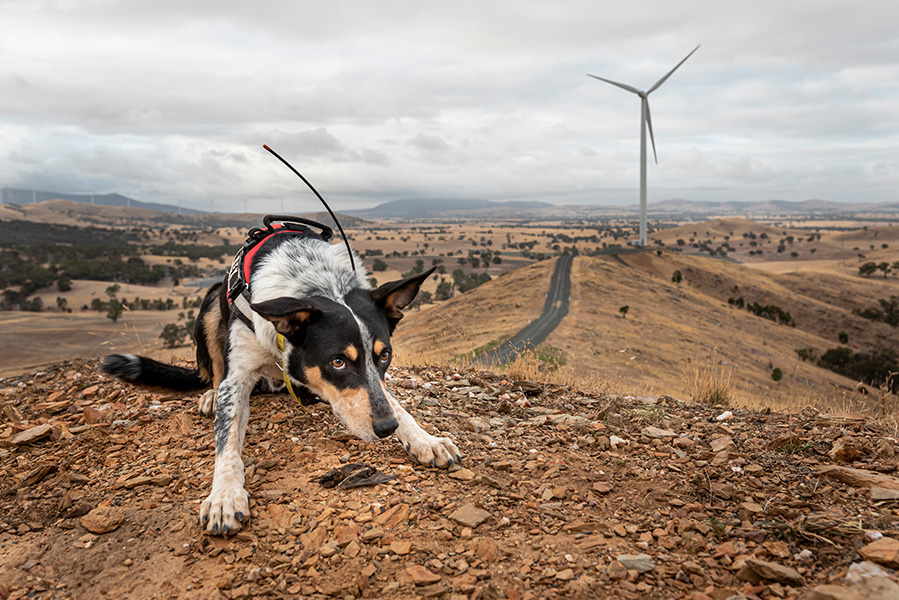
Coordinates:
x,y
565,493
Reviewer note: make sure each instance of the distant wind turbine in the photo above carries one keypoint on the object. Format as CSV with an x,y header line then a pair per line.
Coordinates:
x,y
645,122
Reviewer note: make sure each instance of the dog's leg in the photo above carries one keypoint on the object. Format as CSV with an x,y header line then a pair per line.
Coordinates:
x,y
213,331
421,445
228,504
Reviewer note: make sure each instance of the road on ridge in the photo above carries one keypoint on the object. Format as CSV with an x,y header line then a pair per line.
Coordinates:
x,y
554,310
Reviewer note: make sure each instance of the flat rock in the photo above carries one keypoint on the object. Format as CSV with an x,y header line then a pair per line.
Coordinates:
x,y
775,572
469,515
642,563
859,477
462,474
884,551
418,575
879,494
103,519
871,588
31,435
401,547
656,433
722,444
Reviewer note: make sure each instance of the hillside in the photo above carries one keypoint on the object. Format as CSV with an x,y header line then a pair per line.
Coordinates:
x,y
670,332
565,493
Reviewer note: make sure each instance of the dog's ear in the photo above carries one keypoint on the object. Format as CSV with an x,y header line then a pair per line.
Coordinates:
x,y
394,296
289,315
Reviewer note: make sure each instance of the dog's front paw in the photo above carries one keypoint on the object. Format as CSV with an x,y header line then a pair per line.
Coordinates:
x,y
433,451
224,511
206,403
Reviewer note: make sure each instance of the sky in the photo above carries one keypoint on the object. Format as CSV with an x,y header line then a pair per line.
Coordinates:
x,y
171,101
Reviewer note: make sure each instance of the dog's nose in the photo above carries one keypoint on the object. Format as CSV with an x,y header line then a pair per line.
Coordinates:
x,y
384,427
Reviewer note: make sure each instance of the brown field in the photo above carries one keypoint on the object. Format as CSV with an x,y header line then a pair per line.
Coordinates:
x,y
29,340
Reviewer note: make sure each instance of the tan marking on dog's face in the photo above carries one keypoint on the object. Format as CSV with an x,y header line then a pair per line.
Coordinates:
x,y
211,321
352,405
379,347
351,353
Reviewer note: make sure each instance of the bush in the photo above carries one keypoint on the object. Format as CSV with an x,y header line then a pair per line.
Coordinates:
x,y
876,367
807,354
465,282
777,374
887,313
173,335
379,265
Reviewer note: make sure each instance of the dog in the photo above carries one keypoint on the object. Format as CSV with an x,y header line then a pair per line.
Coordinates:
x,y
293,308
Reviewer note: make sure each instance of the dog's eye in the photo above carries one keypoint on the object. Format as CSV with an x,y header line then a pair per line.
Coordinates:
x,y
385,355
338,363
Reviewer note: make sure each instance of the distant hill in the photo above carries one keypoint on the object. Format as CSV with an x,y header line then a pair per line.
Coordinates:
x,y
21,197
421,208
68,212
454,208
764,207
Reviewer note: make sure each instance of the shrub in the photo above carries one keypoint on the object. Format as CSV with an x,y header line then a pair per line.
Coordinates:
x,y
875,367
807,354
777,374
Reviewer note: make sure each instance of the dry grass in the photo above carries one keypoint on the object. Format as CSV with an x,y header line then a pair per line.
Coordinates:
x,y
709,380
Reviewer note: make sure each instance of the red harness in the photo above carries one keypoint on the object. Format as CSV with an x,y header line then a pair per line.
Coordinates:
x,y
240,273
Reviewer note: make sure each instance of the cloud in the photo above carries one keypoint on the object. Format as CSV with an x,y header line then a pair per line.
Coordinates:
x,y
173,100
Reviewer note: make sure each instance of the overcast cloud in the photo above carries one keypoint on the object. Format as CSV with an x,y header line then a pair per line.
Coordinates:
x,y
171,101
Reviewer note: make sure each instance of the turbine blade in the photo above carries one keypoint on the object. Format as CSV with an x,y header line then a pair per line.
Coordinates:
x,y
651,137
621,85
663,79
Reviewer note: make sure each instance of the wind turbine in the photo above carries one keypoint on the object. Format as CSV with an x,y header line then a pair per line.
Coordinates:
x,y
645,122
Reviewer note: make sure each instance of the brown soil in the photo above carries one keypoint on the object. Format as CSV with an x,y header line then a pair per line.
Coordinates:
x,y
548,505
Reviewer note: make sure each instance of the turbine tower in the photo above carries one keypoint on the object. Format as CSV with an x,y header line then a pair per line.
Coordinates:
x,y
645,123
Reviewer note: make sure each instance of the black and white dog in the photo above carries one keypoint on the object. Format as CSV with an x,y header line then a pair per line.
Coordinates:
x,y
335,333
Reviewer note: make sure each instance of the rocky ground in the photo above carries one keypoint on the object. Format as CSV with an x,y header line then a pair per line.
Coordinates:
x,y
564,494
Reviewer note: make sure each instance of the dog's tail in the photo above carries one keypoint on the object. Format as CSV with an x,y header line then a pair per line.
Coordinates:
x,y
147,372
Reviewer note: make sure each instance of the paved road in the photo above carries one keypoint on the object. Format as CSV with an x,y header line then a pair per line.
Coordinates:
x,y
554,311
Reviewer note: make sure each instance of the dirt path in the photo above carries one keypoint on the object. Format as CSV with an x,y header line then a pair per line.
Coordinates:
x,y
564,494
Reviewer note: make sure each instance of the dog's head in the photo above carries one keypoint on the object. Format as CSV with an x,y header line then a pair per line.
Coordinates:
x,y
340,350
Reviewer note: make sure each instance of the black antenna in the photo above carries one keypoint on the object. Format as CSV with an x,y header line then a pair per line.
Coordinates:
x,y
315,191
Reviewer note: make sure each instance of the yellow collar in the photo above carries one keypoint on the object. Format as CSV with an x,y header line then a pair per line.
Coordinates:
x,y
283,367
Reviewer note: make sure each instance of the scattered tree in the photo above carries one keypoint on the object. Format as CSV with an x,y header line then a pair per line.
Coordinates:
x,y
623,310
